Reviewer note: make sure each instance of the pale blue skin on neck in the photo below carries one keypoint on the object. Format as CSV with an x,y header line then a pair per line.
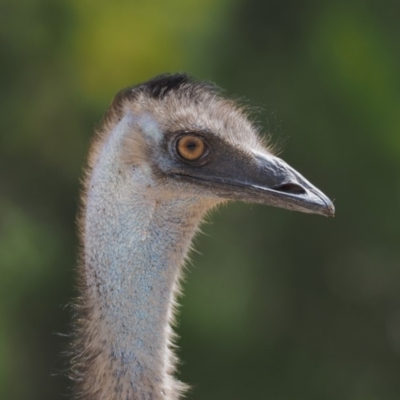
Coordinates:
x,y
137,236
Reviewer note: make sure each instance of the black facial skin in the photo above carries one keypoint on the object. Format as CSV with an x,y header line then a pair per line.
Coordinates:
x,y
235,174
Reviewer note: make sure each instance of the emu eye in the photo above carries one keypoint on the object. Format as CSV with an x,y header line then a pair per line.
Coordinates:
x,y
190,147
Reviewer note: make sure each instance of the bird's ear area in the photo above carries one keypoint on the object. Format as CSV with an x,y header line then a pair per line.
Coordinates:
x,y
142,136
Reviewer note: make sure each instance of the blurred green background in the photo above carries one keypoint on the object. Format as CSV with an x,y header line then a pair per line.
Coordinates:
x,y
278,305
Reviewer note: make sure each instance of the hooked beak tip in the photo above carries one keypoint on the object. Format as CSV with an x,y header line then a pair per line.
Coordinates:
x,y
326,206
306,196
330,209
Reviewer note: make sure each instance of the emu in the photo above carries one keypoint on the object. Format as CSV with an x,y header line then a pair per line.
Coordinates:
x,y
168,151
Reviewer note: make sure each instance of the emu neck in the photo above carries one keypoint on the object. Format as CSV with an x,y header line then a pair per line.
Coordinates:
x,y
135,242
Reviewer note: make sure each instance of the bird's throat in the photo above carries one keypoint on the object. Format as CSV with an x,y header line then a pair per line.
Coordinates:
x,y
134,246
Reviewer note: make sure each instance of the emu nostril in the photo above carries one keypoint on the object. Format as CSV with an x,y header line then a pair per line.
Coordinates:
x,y
290,188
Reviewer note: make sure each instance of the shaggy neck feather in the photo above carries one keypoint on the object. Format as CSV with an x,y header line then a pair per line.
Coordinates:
x,y
136,240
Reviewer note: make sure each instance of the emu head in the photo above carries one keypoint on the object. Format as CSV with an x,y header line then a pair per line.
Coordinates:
x,y
188,141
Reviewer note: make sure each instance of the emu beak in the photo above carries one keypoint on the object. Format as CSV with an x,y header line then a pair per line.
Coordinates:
x,y
265,179
276,183
259,178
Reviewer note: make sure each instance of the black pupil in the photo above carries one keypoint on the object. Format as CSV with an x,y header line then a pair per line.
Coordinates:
x,y
191,146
